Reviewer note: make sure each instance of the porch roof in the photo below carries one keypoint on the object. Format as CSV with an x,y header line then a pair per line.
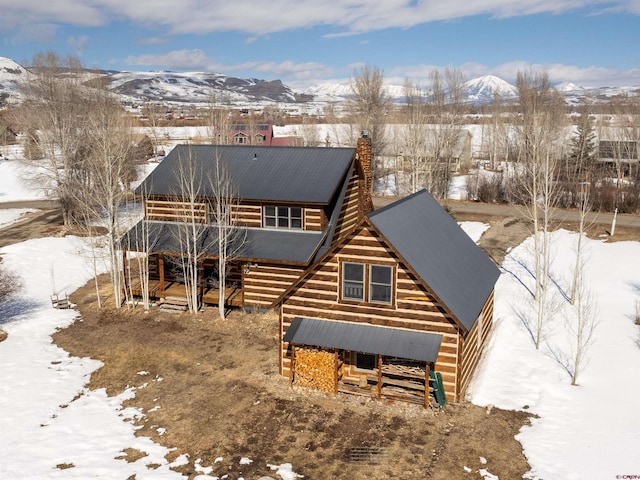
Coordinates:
x,y
362,338
251,244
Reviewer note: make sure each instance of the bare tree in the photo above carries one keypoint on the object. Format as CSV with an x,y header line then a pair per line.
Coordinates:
x,y
368,107
582,328
445,114
413,136
54,114
108,172
224,217
585,205
193,234
538,136
219,130
154,113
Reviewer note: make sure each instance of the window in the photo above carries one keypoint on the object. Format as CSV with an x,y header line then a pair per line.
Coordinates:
x,y
380,284
353,281
283,217
377,278
240,139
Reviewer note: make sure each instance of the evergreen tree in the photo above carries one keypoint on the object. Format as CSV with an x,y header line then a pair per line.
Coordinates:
x,y
583,146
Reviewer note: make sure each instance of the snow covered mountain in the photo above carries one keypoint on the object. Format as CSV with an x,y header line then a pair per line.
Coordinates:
x,y
11,75
200,88
484,89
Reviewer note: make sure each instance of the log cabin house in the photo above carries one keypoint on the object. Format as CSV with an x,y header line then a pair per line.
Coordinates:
x,y
291,204
402,295
370,302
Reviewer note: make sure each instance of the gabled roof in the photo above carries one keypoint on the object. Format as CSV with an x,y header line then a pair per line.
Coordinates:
x,y
270,174
452,266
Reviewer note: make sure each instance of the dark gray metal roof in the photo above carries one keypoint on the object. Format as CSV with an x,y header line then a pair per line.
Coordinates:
x,y
449,262
254,244
356,337
272,174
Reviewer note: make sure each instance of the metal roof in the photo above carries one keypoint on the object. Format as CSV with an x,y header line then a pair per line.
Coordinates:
x,y
253,244
355,337
271,174
448,261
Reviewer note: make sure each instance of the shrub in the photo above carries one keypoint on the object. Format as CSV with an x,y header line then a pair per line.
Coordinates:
x,y
9,283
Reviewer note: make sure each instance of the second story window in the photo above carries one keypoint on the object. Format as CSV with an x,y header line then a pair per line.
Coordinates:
x,y
370,283
283,217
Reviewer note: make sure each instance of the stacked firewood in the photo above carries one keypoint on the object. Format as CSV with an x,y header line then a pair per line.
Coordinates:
x,y
315,368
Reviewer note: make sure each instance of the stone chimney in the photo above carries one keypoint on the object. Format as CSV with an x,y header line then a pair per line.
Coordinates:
x,y
364,157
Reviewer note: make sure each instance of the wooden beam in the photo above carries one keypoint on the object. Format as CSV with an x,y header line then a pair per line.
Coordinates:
x,y
426,385
379,376
335,372
161,272
293,365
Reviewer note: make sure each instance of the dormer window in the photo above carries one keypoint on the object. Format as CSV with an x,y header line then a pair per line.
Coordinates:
x,y
240,139
283,217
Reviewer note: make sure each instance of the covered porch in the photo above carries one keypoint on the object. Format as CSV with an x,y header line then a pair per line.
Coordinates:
x,y
166,282
361,359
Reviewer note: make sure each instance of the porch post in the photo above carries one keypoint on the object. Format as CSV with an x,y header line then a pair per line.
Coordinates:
x,y
379,377
293,364
426,385
335,371
124,272
161,272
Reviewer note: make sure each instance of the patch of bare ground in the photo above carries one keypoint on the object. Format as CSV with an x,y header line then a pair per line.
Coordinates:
x,y
211,388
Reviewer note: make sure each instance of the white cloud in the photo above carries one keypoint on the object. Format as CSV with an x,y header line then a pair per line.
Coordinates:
x,y
194,59
584,76
257,17
197,59
78,43
153,41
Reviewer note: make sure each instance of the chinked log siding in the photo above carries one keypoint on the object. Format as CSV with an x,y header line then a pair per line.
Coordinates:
x,y
263,284
175,211
349,211
414,307
248,215
474,342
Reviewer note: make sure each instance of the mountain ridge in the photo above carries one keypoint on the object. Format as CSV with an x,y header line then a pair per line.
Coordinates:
x,y
205,88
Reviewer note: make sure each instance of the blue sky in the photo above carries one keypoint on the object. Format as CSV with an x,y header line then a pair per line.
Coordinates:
x,y
303,42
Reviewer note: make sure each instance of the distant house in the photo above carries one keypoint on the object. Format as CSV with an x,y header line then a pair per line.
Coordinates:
x,y
619,156
255,134
406,293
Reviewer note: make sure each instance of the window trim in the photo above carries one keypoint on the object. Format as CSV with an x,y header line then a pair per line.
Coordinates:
x,y
362,282
277,217
367,283
372,283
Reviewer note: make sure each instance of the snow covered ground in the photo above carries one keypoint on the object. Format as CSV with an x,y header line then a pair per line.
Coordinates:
x,y
49,420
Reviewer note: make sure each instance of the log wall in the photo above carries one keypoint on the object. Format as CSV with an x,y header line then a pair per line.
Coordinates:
x,y
249,215
175,211
349,210
473,344
263,284
414,307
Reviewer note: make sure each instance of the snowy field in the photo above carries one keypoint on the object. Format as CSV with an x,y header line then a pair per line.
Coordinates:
x,y
49,419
